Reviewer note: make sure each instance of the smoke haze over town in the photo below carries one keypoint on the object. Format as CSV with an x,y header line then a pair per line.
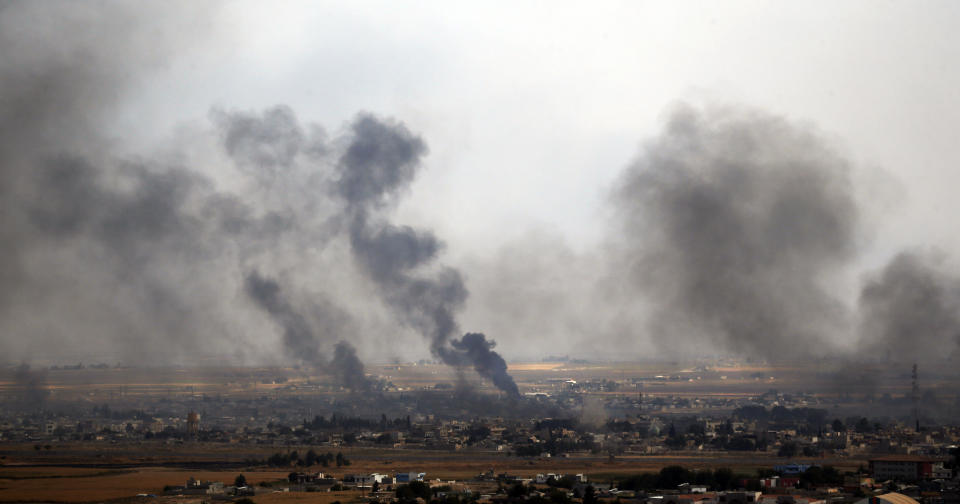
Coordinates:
x,y
326,185
435,252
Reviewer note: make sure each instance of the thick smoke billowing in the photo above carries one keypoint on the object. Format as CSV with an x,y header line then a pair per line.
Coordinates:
x,y
142,255
911,310
381,161
30,388
95,248
736,228
477,350
299,339
734,223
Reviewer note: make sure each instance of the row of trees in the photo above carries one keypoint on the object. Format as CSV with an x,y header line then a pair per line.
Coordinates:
x,y
722,478
311,458
342,423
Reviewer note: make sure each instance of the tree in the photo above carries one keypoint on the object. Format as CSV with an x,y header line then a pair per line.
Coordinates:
x,y
789,449
517,490
723,478
240,481
376,487
558,496
956,460
838,426
412,490
671,476
589,495
340,459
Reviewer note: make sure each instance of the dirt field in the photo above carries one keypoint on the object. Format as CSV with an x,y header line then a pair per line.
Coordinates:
x,y
663,378
71,484
85,472
307,497
80,485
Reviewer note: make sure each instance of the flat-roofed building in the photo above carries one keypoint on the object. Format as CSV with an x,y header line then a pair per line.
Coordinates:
x,y
905,468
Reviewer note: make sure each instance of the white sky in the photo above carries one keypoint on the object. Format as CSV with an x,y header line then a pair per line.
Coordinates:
x,y
531,109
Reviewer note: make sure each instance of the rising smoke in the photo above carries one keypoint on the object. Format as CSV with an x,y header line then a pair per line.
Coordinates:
x,y
30,388
734,222
97,250
911,310
133,255
299,339
380,162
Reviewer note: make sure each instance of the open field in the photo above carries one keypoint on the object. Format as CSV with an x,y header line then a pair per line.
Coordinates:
x,y
730,380
123,478
74,487
69,470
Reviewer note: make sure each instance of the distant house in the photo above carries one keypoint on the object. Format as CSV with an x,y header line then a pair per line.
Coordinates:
x,y
197,487
792,468
407,477
543,478
367,480
302,477
738,497
906,468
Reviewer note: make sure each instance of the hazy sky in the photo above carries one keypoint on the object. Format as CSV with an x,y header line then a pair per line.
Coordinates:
x,y
532,110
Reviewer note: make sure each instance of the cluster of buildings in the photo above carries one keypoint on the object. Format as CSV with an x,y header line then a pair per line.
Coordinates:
x,y
905,480
789,435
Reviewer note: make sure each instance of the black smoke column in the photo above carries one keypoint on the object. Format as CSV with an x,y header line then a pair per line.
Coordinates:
x,y
911,310
299,339
733,223
479,351
379,163
31,388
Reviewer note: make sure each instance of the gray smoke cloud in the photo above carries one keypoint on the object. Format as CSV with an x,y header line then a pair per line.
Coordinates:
x,y
380,162
133,256
269,141
83,231
476,349
911,310
130,255
733,223
30,388
299,338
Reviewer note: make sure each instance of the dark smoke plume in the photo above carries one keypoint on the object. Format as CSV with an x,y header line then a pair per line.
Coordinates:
x,y
380,162
347,368
733,221
299,339
479,351
268,141
95,248
30,388
911,311
107,252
